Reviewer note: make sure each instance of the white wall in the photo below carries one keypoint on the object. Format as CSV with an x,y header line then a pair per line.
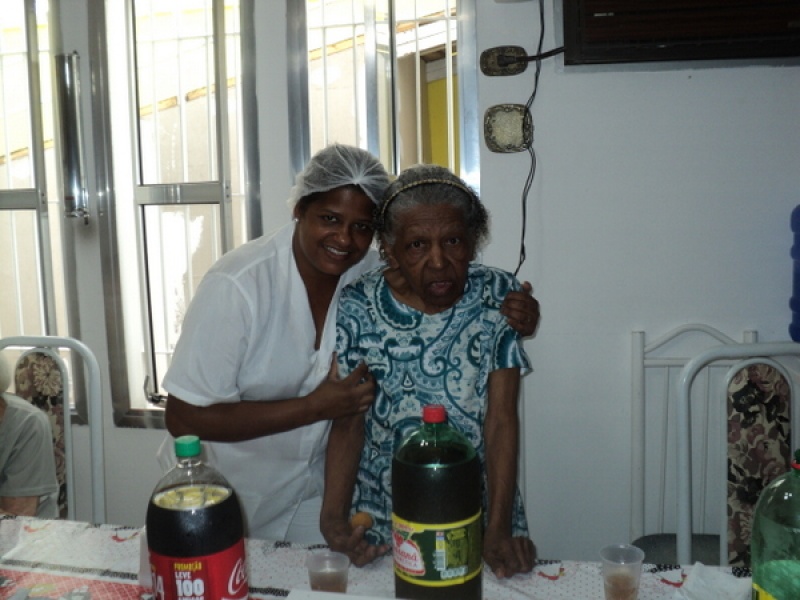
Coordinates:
x,y
662,197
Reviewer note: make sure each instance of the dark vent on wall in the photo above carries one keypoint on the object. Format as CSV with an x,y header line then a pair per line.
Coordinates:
x,y
614,31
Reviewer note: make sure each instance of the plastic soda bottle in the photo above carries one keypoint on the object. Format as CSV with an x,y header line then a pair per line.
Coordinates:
x,y
775,539
195,532
436,513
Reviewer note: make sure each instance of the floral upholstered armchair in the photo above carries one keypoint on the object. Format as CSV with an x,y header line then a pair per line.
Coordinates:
x,y
39,377
758,447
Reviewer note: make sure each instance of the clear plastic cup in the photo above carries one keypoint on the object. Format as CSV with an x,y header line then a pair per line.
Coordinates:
x,y
622,569
327,571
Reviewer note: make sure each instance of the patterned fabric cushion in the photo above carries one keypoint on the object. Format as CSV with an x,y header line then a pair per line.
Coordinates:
x,y
38,378
758,447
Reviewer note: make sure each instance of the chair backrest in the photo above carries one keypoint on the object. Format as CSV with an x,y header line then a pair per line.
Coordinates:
x,y
40,377
759,398
721,496
94,414
759,395
656,366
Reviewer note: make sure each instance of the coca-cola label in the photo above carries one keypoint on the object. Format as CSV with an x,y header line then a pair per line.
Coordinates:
x,y
219,576
437,555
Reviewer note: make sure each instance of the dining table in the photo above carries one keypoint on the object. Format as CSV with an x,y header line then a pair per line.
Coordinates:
x,y
70,560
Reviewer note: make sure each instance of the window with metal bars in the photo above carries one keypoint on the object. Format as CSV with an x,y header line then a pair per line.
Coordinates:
x,y
386,76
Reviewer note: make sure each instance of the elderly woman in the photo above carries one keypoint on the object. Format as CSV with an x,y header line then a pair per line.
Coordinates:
x,y
430,330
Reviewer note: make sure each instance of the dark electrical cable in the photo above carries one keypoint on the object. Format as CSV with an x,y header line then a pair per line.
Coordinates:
x,y
505,60
532,172
526,189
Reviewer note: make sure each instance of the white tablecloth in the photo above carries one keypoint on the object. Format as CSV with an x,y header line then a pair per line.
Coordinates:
x,y
67,560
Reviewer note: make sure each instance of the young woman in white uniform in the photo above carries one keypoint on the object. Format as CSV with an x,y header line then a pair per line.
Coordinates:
x,y
252,373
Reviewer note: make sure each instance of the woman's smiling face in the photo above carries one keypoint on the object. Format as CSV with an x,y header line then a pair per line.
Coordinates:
x,y
334,231
432,249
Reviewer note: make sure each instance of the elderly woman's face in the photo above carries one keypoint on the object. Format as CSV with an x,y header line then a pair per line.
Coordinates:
x,y
432,250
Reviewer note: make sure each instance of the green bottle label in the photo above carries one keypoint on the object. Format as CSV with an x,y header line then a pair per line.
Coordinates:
x,y
437,555
776,580
759,594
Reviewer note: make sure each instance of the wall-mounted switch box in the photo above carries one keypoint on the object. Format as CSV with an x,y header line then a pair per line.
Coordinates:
x,y
508,128
503,60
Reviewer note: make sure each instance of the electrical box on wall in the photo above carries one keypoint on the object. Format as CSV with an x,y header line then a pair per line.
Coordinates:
x,y
615,31
508,128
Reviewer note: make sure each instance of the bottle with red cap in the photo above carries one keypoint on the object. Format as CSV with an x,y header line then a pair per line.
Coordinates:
x,y
775,538
436,513
195,532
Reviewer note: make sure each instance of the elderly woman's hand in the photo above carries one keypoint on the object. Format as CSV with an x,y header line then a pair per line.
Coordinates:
x,y
342,537
521,310
506,555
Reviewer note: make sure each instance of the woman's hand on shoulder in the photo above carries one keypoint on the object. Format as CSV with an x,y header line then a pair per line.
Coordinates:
x,y
521,310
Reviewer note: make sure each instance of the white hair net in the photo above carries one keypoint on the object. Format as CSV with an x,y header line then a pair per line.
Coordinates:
x,y
339,165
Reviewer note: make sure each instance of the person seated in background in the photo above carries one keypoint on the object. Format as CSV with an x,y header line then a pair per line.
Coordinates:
x,y
430,330
28,484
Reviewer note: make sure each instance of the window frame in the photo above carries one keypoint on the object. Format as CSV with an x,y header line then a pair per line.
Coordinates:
x,y
214,192
467,70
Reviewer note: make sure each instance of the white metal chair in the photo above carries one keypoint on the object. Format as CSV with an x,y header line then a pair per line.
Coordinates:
x,y
657,473
47,344
746,354
655,366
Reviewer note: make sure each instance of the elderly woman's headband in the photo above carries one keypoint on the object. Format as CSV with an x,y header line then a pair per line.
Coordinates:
x,y
429,181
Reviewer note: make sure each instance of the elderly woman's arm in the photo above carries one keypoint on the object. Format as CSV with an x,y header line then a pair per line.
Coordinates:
x,y
342,456
505,554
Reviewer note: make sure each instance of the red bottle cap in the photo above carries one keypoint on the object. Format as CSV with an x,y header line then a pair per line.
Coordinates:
x,y
434,413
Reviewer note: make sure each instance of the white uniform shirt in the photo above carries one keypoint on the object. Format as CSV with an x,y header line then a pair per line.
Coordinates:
x,y
249,335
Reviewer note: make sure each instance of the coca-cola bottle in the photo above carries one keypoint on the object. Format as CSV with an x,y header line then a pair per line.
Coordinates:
x,y
195,532
436,513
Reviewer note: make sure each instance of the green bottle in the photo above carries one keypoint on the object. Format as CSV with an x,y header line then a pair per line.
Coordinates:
x,y
436,513
775,539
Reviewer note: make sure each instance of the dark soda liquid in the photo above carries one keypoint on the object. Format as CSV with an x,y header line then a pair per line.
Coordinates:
x,y
436,485
194,532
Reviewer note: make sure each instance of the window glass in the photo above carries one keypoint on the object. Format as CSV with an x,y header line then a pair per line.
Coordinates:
x,y
32,301
15,110
188,235
396,86
175,91
183,181
20,302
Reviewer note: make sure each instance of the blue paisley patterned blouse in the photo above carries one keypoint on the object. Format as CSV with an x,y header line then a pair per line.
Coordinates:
x,y
420,359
